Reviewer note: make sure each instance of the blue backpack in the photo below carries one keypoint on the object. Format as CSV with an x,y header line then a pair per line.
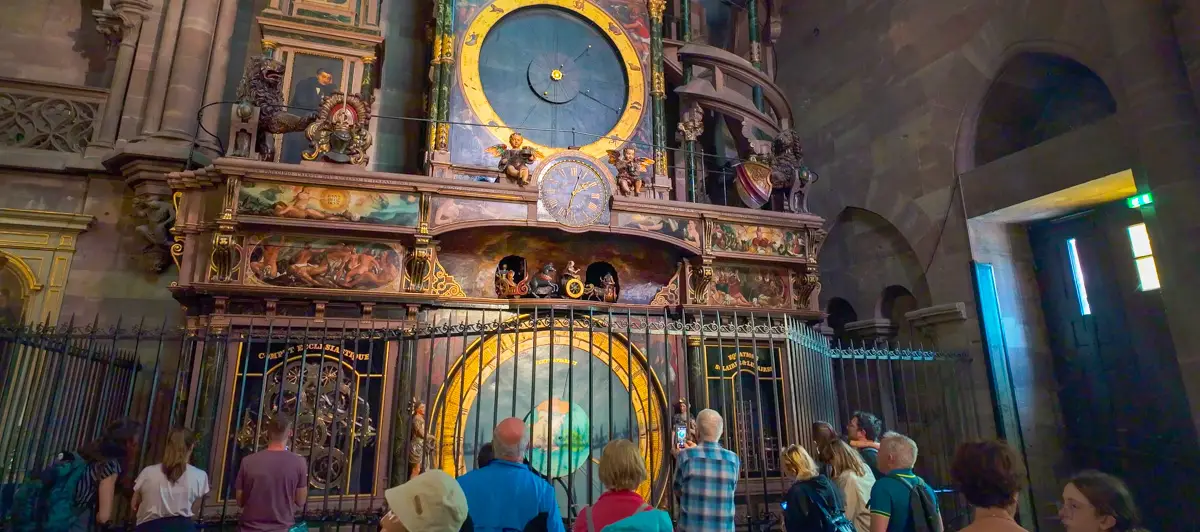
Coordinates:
x,y
45,502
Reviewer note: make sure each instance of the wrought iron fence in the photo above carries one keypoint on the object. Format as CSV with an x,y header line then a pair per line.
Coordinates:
x,y
373,402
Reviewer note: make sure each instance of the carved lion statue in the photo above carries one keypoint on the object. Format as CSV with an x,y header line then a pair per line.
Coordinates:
x,y
262,85
789,175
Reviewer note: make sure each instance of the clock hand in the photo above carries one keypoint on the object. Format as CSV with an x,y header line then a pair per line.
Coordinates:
x,y
593,98
585,51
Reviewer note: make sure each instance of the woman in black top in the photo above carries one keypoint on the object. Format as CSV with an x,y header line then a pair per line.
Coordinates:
x,y
107,459
812,497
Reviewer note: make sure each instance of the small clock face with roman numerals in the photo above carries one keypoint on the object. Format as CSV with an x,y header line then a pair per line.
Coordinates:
x,y
573,190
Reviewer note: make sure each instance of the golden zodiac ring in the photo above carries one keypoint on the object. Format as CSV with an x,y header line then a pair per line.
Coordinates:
x,y
573,288
631,63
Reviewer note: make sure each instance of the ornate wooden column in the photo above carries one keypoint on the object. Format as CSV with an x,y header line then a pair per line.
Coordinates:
x,y
446,66
658,91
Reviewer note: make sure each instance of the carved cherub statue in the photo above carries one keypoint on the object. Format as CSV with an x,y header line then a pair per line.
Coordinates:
x,y
629,170
515,159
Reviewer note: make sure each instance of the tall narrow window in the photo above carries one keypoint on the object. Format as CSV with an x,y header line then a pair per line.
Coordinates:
x,y
1143,258
1077,274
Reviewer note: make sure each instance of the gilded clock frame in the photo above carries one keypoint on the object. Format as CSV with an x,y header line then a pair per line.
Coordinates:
x,y
582,158
472,88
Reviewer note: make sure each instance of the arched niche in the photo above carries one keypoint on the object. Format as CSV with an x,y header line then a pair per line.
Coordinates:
x,y
594,275
515,264
894,302
840,313
1037,96
863,254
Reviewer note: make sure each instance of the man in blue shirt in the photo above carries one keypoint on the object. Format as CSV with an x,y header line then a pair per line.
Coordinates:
x,y
505,494
706,478
891,509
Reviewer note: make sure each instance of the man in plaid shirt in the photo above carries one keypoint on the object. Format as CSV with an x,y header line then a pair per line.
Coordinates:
x,y
706,476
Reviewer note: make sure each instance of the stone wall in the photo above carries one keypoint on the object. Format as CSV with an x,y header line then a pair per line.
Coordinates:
x,y
1029,359
52,40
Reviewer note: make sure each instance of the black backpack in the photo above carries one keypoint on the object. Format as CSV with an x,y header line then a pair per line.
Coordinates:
x,y
921,508
832,519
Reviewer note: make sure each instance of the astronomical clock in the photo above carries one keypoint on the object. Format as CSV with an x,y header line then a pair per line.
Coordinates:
x,y
572,76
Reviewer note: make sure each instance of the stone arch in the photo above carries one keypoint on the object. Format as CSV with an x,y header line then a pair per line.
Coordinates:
x,y
17,286
1021,63
894,302
840,312
864,253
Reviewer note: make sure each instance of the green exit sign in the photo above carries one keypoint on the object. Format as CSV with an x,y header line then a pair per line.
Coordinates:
x,y
1140,200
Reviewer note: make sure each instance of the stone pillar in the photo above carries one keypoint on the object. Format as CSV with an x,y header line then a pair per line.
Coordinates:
x,y
164,56
189,69
1159,112
218,69
121,24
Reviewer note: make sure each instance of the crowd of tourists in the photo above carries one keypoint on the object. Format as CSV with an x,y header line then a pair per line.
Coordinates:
x,y
864,482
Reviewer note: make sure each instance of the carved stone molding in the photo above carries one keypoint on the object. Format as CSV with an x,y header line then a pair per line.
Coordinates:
x,y
924,318
874,330
120,16
691,124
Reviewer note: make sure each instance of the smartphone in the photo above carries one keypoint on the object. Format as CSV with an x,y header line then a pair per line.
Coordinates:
x,y
783,504
680,436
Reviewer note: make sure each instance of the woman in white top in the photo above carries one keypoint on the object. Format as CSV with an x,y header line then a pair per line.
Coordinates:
x,y
164,494
855,480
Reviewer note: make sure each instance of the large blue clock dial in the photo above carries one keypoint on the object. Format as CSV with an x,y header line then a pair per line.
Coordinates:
x,y
546,69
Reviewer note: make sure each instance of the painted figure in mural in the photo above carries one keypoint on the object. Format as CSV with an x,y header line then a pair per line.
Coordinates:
x,y
417,442
262,85
338,266
760,243
630,168
301,207
544,283
515,158
306,100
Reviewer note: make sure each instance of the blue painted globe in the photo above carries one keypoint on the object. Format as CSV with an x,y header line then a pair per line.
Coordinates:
x,y
561,440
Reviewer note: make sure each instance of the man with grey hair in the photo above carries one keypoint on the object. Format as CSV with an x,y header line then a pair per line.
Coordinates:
x,y
505,494
706,477
900,500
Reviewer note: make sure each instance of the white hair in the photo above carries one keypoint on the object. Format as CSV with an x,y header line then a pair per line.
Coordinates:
x,y
901,450
513,452
709,425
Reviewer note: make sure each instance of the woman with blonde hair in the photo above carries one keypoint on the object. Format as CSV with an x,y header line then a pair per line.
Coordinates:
x,y
813,502
165,493
853,479
620,507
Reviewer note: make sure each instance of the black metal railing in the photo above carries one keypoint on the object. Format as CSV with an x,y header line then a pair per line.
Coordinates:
x,y
375,401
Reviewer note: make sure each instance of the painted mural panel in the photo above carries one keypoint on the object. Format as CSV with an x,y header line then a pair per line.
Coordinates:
x,y
680,228
748,286
453,210
757,240
283,200
294,261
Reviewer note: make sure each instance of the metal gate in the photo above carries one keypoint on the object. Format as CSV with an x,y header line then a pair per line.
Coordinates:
x,y
372,401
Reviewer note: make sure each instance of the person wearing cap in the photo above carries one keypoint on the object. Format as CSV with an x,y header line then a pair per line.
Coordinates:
x,y
506,494
430,502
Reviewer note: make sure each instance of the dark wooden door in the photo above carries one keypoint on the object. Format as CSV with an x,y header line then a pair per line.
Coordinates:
x,y
1122,402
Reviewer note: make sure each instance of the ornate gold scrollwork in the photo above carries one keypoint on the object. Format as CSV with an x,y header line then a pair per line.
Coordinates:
x,y
222,260
177,246
667,296
443,284
806,289
701,282
418,266
816,239
658,88
656,10
423,209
